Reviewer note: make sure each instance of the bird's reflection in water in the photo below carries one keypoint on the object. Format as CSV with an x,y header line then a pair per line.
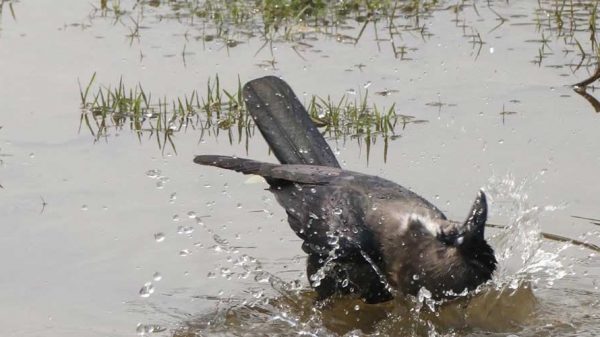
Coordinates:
x,y
492,309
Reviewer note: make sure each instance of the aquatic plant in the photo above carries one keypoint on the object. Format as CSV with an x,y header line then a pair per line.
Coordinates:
x,y
572,23
290,21
219,110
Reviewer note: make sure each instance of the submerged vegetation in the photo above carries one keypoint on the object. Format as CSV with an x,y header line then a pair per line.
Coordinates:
x,y
218,110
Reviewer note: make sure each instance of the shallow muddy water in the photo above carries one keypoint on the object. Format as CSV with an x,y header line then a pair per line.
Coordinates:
x,y
116,236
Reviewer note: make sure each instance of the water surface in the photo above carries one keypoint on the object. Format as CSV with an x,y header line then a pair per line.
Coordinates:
x,y
116,236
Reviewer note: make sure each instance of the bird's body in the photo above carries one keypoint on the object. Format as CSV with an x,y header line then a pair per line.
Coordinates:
x,y
363,234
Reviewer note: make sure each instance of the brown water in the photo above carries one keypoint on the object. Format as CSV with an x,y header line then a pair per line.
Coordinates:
x,y
82,245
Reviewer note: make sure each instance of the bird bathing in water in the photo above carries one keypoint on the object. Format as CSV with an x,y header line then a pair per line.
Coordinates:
x,y
364,235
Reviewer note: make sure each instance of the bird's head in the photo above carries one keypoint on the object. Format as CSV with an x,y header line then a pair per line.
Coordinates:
x,y
457,256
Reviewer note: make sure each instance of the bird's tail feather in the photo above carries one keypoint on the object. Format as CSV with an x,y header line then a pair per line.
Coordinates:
x,y
246,166
285,124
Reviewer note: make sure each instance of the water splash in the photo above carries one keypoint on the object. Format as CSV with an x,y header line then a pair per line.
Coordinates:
x,y
524,262
328,264
518,247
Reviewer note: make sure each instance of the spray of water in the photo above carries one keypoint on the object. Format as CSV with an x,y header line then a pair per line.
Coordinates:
x,y
281,307
519,247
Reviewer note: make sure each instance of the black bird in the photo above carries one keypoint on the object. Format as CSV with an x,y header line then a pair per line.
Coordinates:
x,y
363,234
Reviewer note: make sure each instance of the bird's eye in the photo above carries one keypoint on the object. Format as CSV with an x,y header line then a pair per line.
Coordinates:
x,y
452,238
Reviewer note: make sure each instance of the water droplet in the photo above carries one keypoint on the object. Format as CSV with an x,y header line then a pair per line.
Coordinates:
x,y
175,218
262,277
226,273
333,239
501,141
295,285
337,211
184,252
239,205
159,237
173,197
211,274
220,240
84,207
185,230
423,294
145,329
156,276
357,307
147,289
191,214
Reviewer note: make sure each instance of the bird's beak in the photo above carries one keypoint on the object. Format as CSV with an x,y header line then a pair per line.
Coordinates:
x,y
474,225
